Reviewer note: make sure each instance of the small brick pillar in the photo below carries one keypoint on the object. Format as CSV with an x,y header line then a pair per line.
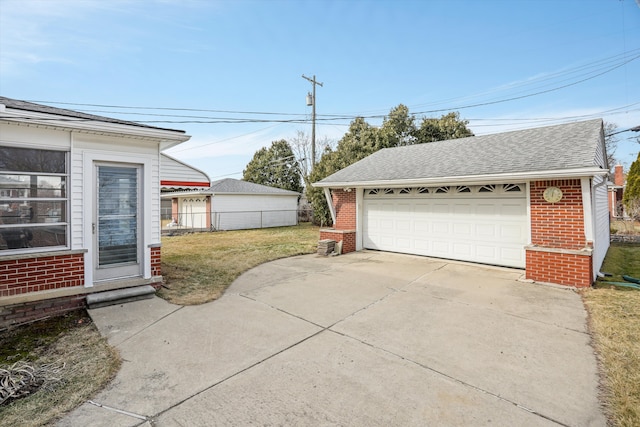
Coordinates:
x,y
559,252
344,230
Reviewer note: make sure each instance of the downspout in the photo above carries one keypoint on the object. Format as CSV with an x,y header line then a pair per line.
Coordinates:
x,y
332,209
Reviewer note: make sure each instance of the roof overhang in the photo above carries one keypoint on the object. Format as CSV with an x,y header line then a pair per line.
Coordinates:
x,y
471,179
167,138
172,194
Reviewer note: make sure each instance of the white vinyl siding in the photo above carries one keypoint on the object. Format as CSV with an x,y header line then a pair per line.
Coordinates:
x,y
245,211
174,170
601,221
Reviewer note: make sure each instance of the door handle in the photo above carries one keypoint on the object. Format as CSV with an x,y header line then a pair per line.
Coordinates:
x,y
93,227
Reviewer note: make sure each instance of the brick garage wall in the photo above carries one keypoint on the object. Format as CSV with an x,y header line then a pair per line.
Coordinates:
x,y
21,276
18,314
344,203
560,252
561,224
560,268
347,237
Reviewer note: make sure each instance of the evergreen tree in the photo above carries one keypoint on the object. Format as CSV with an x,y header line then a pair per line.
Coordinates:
x,y
275,166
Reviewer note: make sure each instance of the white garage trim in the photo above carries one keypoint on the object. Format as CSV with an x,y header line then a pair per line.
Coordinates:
x,y
482,223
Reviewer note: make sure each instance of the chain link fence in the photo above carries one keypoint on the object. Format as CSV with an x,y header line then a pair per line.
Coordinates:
x,y
240,220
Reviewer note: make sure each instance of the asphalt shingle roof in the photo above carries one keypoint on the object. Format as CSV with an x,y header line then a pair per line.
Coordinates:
x,y
39,108
230,185
559,147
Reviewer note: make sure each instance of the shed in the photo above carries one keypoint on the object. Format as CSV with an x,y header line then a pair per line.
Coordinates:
x,y
233,204
534,199
80,205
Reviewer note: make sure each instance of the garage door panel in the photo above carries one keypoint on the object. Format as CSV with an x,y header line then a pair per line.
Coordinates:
x,y
486,230
489,230
462,229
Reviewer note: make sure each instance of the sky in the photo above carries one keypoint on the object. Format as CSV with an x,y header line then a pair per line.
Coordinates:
x,y
229,73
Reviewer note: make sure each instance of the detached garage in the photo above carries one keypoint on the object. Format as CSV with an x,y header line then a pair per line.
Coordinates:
x,y
533,199
232,204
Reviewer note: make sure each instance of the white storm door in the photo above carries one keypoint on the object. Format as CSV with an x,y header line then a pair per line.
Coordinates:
x,y
117,222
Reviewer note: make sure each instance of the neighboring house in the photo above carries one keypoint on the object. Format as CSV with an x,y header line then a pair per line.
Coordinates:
x,y
533,199
616,191
232,204
80,207
178,176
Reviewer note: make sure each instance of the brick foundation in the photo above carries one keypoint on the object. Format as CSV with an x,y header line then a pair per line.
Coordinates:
x,y
570,269
347,237
17,314
156,261
41,273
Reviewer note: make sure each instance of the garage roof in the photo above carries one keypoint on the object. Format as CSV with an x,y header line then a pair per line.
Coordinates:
x,y
235,186
573,149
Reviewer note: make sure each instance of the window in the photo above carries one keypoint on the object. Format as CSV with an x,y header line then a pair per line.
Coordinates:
x,y
510,188
33,198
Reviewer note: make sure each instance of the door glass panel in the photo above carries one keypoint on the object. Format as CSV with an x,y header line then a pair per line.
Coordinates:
x,y
117,216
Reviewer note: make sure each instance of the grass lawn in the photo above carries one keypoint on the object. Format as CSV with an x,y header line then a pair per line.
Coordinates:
x,y
614,319
197,268
69,351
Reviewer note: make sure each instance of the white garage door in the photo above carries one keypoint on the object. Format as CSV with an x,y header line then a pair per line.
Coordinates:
x,y
486,224
193,212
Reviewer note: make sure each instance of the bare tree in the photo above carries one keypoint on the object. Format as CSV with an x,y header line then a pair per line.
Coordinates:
x,y
301,146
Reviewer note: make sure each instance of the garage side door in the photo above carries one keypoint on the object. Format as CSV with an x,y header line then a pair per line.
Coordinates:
x,y
486,224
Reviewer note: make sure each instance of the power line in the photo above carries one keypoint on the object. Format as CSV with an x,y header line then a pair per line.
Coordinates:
x,y
338,117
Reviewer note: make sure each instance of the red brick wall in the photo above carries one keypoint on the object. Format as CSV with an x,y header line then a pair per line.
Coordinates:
x,y
156,268
20,276
348,238
558,225
27,312
344,203
563,269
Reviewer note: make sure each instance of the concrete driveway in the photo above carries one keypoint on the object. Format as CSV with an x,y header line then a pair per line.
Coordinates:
x,y
365,339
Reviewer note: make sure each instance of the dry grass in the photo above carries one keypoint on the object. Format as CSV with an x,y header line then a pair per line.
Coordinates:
x,y
614,314
615,324
71,341
625,226
199,267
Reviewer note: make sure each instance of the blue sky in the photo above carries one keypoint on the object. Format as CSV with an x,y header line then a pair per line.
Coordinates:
x,y
504,65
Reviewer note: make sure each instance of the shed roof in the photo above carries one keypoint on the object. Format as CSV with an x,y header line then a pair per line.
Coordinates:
x,y
539,152
236,186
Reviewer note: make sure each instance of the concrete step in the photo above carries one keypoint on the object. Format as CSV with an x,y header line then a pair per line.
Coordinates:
x,y
120,296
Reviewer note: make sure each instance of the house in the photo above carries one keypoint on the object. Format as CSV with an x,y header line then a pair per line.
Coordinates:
x,y
79,207
615,192
232,204
176,175
534,199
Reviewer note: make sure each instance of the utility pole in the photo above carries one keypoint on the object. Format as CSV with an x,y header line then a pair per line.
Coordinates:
x,y
313,117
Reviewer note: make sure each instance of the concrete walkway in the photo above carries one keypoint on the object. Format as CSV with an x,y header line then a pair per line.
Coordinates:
x,y
365,339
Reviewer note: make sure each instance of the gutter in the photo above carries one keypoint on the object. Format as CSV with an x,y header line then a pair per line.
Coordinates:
x,y
470,179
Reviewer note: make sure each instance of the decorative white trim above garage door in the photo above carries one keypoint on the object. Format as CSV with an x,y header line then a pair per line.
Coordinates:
x,y
480,223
